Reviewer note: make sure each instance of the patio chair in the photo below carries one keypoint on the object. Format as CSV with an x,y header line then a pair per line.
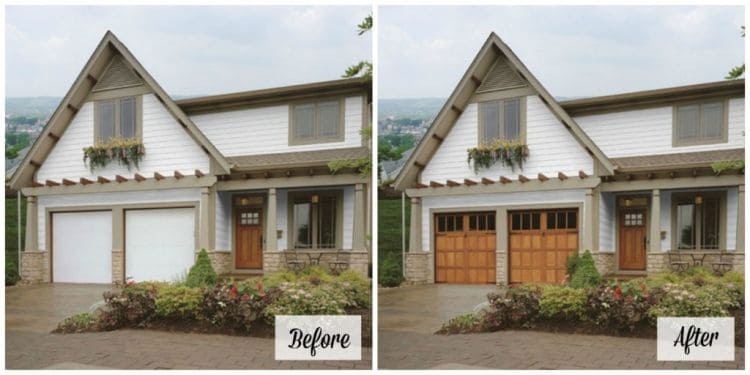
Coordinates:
x,y
723,264
294,260
340,262
676,263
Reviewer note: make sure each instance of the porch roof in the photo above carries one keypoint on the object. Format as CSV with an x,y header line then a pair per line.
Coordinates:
x,y
676,161
296,159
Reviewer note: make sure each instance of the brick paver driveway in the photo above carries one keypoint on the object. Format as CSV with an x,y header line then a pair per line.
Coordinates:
x,y
408,316
32,311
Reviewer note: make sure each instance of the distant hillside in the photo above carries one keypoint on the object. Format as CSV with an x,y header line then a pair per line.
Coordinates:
x,y
420,108
40,106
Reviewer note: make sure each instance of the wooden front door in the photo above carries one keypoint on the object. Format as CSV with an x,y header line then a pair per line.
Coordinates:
x,y
540,242
632,243
465,248
248,238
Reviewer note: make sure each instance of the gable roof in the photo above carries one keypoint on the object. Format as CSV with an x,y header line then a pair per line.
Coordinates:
x,y
485,60
89,76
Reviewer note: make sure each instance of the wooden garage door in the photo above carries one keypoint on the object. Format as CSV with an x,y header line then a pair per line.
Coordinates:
x,y
465,248
540,243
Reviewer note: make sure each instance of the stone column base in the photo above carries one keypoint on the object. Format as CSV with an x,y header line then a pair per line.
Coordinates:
x,y
656,262
221,261
118,267
501,268
605,262
738,259
35,267
418,267
273,261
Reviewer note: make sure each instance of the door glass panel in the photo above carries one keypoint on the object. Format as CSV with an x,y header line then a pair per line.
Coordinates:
x,y
491,222
535,220
441,223
561,220
516,222
551,220
482,222
685,229
473,222
327,222
459,223
710,224
526,221
572,220
302,230
450,221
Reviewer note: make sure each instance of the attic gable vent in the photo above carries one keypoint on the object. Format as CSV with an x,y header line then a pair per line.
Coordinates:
x,y
501,77
118,74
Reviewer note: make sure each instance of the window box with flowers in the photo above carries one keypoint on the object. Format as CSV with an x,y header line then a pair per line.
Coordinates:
x,y
125,151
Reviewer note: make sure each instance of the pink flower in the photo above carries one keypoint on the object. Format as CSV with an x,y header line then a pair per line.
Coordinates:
x,y
233,292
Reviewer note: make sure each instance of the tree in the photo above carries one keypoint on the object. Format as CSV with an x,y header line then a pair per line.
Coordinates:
x,y
363,165
737,71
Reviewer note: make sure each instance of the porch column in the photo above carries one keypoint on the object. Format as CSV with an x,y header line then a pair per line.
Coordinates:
x,y
415,226
588,221
271,241
358,237
32,233
204,222
741,219
654,245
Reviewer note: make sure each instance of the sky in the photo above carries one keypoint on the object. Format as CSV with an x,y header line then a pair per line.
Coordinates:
x,y
190,51
576,51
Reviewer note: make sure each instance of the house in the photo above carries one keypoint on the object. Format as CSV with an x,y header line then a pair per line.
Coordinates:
x,y
242,175
628,177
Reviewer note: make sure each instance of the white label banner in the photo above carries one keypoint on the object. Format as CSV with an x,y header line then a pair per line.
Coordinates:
x,y
318,337
695,339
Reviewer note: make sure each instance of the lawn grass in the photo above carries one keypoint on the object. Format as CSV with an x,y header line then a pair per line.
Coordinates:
x,y
389,228
11,231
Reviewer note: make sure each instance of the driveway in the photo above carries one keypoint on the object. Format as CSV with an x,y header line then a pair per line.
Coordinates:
x,y
409,315
32,311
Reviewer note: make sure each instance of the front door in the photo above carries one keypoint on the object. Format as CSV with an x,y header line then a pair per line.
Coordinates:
x,y
248,238
633,239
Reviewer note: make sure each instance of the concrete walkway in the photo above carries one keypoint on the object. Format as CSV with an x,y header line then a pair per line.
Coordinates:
x,y
409,316
32,311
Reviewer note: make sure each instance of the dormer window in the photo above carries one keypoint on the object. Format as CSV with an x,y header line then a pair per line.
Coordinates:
x,y
117,118
316,122
502,119
700,123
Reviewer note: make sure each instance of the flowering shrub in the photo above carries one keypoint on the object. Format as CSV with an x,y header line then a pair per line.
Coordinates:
x,y
558,302
303,298
519,306
692,300
134,305
83,322
126,151
621,306
237,305
510,153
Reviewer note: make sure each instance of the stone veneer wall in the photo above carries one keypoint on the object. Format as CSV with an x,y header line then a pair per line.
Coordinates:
x,y
221,261
605,262
35,267
359,261
419,267
501,268
118,267
656,262
660,261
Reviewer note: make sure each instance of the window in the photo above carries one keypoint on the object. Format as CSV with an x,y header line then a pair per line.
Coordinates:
x,y
700,123
117,118
450,223
525,221
317,122
562,219
482,222
697,221
316,220
502,119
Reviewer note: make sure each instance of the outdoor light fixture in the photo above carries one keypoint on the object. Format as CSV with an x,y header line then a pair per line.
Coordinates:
x,y
698,199
315,198
244,202
628,202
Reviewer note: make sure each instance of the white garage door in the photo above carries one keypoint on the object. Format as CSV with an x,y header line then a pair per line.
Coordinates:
x,y
82,247
159,243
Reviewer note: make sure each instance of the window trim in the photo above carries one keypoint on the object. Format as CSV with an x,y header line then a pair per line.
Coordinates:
x,y
678,198
723,138
315,139
297,196
522,119
116,131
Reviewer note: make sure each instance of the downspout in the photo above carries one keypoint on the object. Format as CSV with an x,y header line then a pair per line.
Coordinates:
x,y
18,219
403,234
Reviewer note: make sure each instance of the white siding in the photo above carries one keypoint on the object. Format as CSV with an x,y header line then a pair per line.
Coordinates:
x,y
607,222
552,148
106,200
573,197
649,131
168,147
223,221
265,130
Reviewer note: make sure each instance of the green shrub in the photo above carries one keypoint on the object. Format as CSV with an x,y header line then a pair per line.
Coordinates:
x,y
559,302
389,272
466,323
275,279
572,263
356,288
11,274
315,275
586,274
179,302
201,274
83,322
688,299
